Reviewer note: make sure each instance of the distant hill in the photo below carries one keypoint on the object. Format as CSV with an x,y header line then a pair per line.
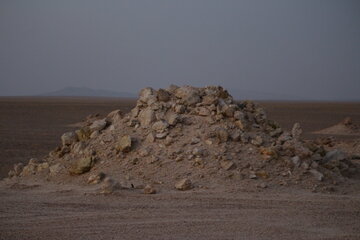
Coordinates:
x,y
87,92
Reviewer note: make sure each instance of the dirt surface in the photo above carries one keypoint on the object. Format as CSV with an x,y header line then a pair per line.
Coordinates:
x,y
44,210
39,211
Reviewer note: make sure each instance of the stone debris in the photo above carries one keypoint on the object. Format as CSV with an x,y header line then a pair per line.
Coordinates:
x,y
188,132
96,178
109,186
68,138
184,184
125,144
149,189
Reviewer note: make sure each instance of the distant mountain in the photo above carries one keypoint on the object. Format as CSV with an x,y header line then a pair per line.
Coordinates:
x,y
87,92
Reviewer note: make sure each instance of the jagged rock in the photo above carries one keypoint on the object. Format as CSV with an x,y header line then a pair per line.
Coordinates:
x,y
83,134
163,95
42,166
172,118
149,189
82,165
150,137
318,175
168,140
203,111
235,135
160,126
222,134
147,95
146,117
115,116
209,100
68,138
98,125
109,186
96,178
296,131
184,184
18,168
296,161
79,147
161,135
125,144
228,165
240,124
229,110
55,169
180,109
188,95
94,134
333,156
144,152
257,141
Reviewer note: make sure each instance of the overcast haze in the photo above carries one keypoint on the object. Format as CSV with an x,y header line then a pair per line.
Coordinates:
x,y
261,49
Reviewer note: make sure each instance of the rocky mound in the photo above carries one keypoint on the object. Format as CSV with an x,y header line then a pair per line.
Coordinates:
x,y
345,127
188,137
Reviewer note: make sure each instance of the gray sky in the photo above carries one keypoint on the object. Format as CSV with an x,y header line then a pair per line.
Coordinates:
x,y
308,49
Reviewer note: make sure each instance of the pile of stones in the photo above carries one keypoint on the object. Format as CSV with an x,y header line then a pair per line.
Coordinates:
x,y
188,137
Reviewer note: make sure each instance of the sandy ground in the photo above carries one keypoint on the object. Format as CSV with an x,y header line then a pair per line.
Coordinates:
x,y
42,210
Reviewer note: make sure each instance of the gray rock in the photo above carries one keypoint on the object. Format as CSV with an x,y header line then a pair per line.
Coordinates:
x,y
180,109
18,168
184,184
160,126
222,134
203,111
147,95
96,178
172,118
56,168
161,135
296,131
146,117
334,155
257,141
188,95
163,95
82,165
318,175
296,161
149,189
109,186
115,116
150,137
125,144
98,125
68,138
228,165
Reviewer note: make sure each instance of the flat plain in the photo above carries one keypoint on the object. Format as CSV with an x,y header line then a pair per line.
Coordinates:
x,y
31,127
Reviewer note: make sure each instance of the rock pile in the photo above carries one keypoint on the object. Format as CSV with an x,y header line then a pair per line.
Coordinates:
x,y
185,138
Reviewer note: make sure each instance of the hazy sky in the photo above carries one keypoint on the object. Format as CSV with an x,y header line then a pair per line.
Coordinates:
x,y
307,49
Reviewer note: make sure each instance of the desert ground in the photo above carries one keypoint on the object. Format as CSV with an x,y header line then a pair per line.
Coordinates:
x,y
31,127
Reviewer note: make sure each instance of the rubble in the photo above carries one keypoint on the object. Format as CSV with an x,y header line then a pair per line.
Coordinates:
x,y
188,132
